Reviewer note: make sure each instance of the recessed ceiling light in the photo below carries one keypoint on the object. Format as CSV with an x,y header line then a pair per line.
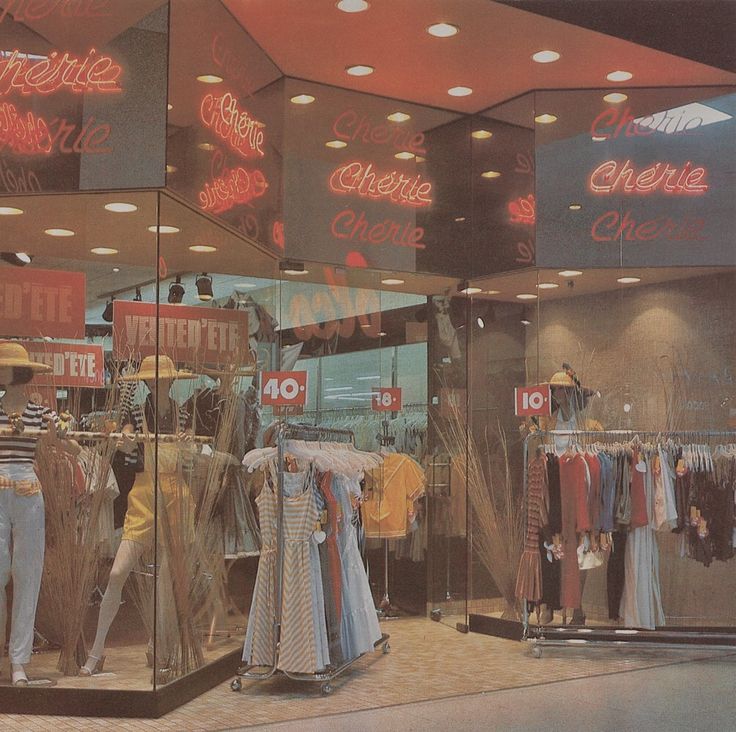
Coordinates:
x,y
58,232
545,57
398,117
491,292
460,91
169,106
202,248
392,281
619,76
490,174
10,211
302,99
295,272
598,138
116,269
526,296
481,323
164,229
525,321
545,119
337,144
458,219
208,146
103,250
615,97
359,70
628,280
420,159
404,155
471,290
171,168
443,30
570,273
547,285
481,134
382,333
352,6
209,78
575,206
121,207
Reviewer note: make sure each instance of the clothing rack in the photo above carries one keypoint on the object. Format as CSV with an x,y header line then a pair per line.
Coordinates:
x,y
132,436
286,431
706,638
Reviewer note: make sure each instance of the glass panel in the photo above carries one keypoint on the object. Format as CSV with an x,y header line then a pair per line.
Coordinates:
x,y
80,254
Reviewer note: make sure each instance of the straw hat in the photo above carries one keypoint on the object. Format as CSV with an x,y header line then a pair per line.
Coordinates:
x,y
564,379
14,355
166,370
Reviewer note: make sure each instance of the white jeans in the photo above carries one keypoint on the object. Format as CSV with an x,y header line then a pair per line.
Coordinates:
x,y
23,519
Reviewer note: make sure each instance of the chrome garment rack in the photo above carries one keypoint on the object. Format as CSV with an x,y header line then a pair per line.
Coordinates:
x,y
285,432
538,636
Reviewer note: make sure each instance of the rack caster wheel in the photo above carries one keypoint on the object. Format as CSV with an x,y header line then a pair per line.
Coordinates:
x,y
326,689
386,648
236,685
536,652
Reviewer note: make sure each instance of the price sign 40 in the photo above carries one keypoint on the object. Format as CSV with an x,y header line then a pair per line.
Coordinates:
x,y
284,388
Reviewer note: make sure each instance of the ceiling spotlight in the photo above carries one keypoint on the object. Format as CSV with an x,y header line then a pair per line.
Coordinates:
x,y
116,269
481,134
443,30
103,250
210,79
628,280
10,211
492,292
615,98
466,289
302,99
392,281
459,219
352,6
570,273
526,321
480,322
202,248
460,91
490,174
169,106
204,287
337,144
575,206
164,229
545,57
121,207
382,333
545,119
171,169
404,155
398,117
359,70
58,232
207,146
17,259
547,285
598,138
176,291
138,295
526,296
107,312
619,76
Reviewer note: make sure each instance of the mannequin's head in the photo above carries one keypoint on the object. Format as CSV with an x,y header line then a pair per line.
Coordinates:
x,y
15,375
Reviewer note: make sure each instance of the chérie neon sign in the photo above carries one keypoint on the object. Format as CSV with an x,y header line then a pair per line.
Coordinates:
x,y
523,210
616,177
350,126
242,133
233,187
91,73
23,11
362,179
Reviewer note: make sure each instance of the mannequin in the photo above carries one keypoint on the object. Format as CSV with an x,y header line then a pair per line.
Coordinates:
x,y
139,528
21,504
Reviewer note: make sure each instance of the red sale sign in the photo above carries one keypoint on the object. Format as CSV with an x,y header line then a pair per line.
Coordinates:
x,y
284,388
533,401
73,364
386,400
194,336
42,302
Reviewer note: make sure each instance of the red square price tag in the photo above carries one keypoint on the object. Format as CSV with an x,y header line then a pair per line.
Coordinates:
x,y
284,388
532,401
386,400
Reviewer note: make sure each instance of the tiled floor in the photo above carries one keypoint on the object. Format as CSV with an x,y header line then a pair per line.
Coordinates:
x,y
427,661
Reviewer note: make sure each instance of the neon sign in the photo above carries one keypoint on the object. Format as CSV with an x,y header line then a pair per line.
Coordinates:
x,y
349,225
617,177
234,187
93,73
614,226
350,126
362,179
23,11
523,210
234,125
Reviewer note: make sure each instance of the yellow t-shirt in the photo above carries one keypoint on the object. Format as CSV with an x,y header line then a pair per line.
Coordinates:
x,y
390,492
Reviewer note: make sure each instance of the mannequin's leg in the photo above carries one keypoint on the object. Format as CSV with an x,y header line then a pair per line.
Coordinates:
x,y
5,533
125,560
29,542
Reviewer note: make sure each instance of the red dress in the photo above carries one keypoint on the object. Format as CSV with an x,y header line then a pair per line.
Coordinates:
x,y
574,497
639,514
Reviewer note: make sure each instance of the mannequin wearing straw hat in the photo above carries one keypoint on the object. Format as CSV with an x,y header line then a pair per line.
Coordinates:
x,y
176,508
21,504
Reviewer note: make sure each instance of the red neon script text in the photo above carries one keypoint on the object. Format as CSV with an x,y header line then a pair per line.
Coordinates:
x,y
523,210
350,126
235,126
29,10
23,134
233,188
614,226
93,73
616,177
361,178
349,225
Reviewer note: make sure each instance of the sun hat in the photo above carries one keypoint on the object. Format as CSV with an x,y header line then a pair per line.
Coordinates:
x,y
567,379
13,355
166,370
